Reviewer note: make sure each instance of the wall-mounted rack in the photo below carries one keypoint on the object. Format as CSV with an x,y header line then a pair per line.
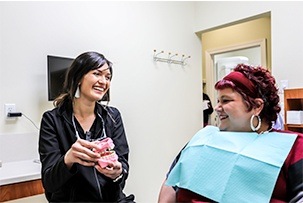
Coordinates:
x,y
169,59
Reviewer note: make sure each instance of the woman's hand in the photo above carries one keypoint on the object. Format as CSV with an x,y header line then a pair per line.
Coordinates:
x,y
81,152
113,170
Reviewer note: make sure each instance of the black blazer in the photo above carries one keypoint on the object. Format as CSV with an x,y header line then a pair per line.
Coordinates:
x,y
80,184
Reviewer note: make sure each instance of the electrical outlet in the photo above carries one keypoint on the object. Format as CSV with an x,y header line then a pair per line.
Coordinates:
x,y
9,108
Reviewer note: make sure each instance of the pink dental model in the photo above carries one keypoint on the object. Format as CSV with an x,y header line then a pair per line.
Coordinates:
x,y
108,155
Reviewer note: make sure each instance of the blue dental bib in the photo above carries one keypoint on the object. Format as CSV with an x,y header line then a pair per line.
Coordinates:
x,y
231,167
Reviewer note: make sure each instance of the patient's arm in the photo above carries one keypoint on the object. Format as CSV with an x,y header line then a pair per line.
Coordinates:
x,y
167,194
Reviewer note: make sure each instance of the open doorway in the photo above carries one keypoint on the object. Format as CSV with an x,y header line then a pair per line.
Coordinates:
x,y
219,62
224,63
235,39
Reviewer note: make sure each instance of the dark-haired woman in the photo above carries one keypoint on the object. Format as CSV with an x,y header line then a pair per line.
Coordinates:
x,y
243,159
69,135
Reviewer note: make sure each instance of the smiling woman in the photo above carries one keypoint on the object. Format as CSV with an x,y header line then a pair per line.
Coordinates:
x,y
57,67
260,163
71,133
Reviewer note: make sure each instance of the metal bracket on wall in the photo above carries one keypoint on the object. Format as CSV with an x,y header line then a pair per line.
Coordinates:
x,y
169,59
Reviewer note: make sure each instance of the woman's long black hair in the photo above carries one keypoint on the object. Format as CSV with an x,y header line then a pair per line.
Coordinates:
x,y
84,63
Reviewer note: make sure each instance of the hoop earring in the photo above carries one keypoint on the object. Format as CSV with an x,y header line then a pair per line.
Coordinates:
x,y
253,128
77,94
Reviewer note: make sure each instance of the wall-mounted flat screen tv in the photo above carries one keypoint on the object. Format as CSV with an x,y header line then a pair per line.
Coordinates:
x,y
56,69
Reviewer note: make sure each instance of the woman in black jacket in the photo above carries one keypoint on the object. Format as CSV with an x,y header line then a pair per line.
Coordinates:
x,y
70,133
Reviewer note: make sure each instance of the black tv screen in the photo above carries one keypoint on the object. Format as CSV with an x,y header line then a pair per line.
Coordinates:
x,y
56,69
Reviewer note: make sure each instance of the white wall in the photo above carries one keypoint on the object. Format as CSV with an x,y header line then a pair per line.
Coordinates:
x,y
287,32
160,103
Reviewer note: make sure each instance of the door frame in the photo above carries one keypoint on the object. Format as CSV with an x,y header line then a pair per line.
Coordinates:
x,y
209,64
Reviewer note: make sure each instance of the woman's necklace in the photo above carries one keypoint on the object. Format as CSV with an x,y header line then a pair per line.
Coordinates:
x,y
267,131
103,132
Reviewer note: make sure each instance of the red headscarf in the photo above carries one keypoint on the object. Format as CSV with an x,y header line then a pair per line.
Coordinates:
x,y
242,82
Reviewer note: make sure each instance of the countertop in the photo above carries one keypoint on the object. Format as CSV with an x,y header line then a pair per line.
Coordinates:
x,y
20,171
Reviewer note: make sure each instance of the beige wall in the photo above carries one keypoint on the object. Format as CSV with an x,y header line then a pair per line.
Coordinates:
x,y
237,34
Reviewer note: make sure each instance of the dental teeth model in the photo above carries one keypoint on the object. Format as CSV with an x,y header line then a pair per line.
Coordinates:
x,y
106,150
